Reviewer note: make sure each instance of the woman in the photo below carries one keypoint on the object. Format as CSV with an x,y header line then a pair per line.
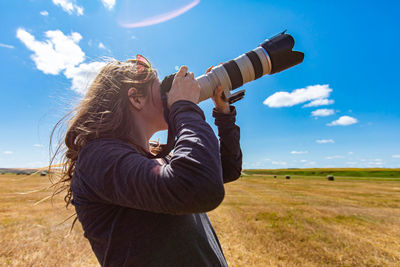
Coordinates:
x,y
139,211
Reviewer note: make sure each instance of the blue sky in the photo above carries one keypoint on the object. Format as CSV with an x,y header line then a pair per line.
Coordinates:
x,y
345,113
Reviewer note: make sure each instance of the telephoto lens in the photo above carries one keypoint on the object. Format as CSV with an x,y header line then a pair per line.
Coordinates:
x,y
271,56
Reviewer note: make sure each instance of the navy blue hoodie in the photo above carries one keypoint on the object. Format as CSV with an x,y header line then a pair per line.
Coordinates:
x,y
136,211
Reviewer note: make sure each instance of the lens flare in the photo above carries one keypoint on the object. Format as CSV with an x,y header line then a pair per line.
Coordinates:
x,y
134,14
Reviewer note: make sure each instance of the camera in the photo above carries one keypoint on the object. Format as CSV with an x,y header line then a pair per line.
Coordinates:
x,y
271,56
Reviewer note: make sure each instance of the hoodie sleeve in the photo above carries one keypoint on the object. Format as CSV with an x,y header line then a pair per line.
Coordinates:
x,y
113,172
229,138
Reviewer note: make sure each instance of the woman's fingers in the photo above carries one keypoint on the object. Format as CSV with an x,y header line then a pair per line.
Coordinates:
x,y
190,75
210,68
220,101
184,87
217,91
218,95
182,71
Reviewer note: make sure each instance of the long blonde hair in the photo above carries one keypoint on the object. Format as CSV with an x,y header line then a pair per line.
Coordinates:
x,y
103,113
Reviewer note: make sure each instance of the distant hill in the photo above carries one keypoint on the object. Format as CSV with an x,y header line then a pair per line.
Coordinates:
x,y
17,170
349,172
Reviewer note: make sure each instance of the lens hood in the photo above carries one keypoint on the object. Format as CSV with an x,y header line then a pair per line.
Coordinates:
x,y
279,49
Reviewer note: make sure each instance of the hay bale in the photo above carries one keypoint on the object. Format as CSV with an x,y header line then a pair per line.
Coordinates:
x,y
274,176
287,176
330,177
43,173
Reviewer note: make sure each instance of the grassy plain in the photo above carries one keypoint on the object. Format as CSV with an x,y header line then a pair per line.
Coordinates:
x,y
263,221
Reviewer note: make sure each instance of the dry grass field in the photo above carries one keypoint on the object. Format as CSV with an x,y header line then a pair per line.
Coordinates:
x,y
262,222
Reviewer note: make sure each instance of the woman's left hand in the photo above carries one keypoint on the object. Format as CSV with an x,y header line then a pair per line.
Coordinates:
x,y
218,98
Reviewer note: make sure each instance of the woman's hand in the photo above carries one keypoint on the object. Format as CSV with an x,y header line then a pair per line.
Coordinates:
x,y
184,87
220,103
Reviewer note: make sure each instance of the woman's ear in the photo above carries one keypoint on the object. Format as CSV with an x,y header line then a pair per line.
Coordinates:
x,y
137,101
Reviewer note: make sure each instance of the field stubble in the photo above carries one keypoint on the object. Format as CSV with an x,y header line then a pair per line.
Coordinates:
x,y
262,222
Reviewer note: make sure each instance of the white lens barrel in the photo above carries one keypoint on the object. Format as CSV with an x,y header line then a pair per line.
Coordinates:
x,y
235,73
246,68
207,83
265,60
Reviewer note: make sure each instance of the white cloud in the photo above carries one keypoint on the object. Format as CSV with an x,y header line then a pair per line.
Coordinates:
x,y
55,54
38,145
298,96
257,164
102,46
44,13
282,163
303,160
69,6
350,153
396,156
374,163
83,75
325,141
62,53
323,112
8,152
334,157
108,3
343,121
319,102
7,46
298,152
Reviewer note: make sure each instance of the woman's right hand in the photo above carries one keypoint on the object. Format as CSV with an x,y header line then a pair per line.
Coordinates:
x,y
184,87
